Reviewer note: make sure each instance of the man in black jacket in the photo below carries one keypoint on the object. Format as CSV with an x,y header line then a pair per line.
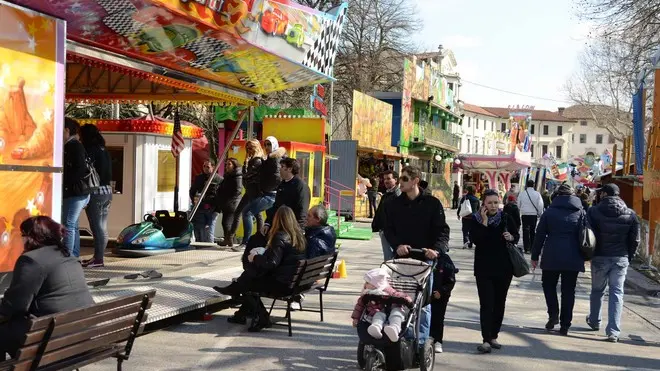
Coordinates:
x,y
292,192
391,181
205,219
617,237
456,196
415,220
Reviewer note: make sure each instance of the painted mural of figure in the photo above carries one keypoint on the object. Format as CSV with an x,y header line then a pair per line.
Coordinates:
x,y
16,123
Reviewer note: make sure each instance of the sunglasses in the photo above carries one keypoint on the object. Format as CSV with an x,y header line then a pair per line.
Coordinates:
x,y
405,178
268,144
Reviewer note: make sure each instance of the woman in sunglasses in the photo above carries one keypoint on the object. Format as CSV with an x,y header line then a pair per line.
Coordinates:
x,y
46,280
491,231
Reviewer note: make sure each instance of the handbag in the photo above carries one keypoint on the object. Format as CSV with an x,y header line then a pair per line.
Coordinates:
x,y
466,208
91,181
587,238
518,260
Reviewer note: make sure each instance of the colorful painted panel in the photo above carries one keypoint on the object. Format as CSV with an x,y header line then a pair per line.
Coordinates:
x,y
520,137
31,115
372,122
259,46
406,103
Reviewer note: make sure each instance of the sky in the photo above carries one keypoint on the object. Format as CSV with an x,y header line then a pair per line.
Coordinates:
x,y
529,47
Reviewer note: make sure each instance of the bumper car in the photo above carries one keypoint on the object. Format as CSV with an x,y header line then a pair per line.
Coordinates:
x,y
161,233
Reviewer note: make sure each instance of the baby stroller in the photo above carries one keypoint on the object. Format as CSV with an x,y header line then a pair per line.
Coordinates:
x,y
411,277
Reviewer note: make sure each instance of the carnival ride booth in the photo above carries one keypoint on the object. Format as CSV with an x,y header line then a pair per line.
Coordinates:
x,y
152,51
303,139
497,168
144,171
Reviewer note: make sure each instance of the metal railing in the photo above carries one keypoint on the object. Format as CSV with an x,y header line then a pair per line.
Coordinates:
x,y
431,134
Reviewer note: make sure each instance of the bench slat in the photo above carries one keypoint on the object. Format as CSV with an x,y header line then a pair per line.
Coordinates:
x,y
317,265
67,328
313,279
77,337
64,353
42,322
83,360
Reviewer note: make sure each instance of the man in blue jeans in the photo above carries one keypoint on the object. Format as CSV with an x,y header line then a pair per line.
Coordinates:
x,y
416,220
617,237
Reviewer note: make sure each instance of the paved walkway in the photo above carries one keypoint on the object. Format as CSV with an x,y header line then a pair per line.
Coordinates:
x,y
217,345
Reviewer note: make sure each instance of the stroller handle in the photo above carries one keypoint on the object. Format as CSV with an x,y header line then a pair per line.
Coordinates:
x,y
420,251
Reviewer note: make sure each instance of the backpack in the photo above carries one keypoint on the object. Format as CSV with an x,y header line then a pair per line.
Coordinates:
x,y
91,181
444,275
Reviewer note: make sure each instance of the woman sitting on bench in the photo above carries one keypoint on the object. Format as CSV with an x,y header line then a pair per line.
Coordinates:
x,y
46,280
269,271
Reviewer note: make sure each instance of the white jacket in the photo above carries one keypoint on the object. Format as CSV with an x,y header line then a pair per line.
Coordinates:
x,y
530,202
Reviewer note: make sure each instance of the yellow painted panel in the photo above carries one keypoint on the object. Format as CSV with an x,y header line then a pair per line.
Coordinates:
x,y
305,130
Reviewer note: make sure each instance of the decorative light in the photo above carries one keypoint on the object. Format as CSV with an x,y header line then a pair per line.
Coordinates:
x,y
438,157
457,161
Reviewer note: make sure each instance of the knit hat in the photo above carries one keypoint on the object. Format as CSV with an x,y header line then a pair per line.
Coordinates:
x,y
565,190
377,277
610,190
273,141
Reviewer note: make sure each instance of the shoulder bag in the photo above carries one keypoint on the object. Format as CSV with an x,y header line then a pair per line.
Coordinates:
x,y
518,261
587,238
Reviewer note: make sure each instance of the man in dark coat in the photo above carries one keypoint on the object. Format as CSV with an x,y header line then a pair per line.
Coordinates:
x,y
391,181
292,192
205,219
321,237
415,220
617,237
466,221
457,196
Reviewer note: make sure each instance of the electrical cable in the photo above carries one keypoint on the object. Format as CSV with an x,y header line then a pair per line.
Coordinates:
x,y
514,93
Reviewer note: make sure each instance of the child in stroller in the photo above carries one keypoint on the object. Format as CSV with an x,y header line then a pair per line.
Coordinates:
x,y
376,284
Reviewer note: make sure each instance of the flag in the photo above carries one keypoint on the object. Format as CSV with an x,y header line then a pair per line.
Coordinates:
x,y
177,137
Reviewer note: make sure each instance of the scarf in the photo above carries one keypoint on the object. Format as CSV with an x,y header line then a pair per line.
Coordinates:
x,y
492,220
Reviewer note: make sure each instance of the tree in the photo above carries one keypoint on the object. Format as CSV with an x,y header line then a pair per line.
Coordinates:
x,y
377,35
625,34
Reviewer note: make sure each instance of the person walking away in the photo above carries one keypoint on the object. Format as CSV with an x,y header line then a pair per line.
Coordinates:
x,y
466,221
530,204
444,280
557,244
491,231
415,220
511,209
292,192
254,157
546,199
372,193
321,238
205,219
617,237
228,197
512,191
75,191
456,196
46,280
584,199
269,180
391,182
100,199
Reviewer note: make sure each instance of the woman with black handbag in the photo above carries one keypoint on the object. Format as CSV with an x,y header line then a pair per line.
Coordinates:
x,y
492,231
557,242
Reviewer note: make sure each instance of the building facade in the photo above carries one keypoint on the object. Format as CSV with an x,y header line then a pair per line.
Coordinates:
x,y
587,136
481,132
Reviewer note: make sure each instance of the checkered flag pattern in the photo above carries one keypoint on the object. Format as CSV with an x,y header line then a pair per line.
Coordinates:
x,y
321,56
207,50
119,18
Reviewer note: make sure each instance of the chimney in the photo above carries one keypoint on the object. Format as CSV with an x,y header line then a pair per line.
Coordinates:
x,y
560,110
440,54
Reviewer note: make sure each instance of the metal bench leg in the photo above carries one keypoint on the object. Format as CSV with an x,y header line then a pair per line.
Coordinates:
x,y
288,316
321,304
120,361
271,307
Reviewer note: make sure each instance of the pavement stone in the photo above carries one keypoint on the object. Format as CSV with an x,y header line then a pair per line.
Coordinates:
x,y
331,345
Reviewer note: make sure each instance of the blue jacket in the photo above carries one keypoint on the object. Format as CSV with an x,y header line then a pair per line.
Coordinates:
x,y
320,241
616,228
557,236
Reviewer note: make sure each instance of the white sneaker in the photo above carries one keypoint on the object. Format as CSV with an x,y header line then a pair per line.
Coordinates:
x,y
375,331
392,333
465,245
295,305
438,347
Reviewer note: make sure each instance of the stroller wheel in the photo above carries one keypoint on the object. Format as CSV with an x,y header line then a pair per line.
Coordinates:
x,y
360,355
374,362
427,356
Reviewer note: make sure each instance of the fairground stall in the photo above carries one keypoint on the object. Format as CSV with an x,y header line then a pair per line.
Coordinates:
x,y
497,168
139,52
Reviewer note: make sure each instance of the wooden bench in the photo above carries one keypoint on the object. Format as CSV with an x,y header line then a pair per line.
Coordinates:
x,y
311,274
73,339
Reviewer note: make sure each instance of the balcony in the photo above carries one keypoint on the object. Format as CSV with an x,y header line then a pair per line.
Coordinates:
x,y
435,136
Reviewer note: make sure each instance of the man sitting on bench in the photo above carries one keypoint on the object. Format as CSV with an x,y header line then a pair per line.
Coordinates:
x,y
321,237
46,280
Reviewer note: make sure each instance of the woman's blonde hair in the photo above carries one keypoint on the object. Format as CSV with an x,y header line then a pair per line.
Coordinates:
x,y
258,151
285,221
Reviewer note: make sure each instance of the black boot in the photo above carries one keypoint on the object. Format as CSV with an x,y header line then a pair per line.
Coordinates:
x,y
552,322
239,318
232,290
260,322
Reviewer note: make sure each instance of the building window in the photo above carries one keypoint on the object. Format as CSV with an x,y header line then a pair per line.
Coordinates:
x,y
558,153
469,121
318,173
583,123
492,126
503,127
583,138
599,138
476,146
546,130
611,139
117,156
560,130
468,146
531,129
476,125
531,149
544,149
573,138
